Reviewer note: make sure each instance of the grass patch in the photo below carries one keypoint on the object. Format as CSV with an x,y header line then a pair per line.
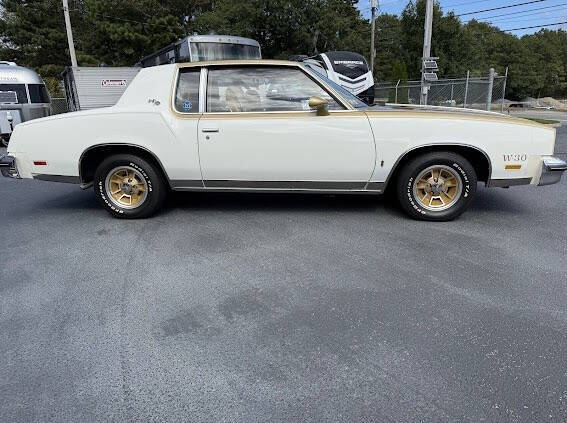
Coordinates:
x,y
543,121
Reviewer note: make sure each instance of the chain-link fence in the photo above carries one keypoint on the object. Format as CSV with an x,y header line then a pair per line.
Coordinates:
x,y
59,105
471,92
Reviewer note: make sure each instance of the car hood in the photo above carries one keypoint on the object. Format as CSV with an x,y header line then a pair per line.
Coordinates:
x,y
441,112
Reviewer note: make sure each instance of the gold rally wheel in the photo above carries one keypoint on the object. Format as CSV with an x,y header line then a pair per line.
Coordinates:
x,y
129,187
436,186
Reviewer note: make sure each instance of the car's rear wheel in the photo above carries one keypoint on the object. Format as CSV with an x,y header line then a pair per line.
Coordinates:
x,y
437,186
129,187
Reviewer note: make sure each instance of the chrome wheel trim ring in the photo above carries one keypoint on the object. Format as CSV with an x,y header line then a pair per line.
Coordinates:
x,y
437,188
126,187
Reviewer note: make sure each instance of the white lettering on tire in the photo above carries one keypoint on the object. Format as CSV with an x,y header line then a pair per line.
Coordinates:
x,y
466,182
466,185
110,205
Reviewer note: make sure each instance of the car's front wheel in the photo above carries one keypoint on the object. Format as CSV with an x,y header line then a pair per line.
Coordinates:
x,y
129,187
437,186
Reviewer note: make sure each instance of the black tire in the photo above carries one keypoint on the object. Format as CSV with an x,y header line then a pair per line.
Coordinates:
x,y
406,187
155,186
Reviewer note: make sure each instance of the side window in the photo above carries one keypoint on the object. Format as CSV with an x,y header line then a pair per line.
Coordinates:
x,y
183,52
38,93
187,91
13,93
262,89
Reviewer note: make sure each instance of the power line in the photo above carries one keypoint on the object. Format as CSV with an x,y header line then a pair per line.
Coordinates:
x,y
386,3
494,26
117,18
517,22
515,18
522,12
535,26
464,4
501,7
529,17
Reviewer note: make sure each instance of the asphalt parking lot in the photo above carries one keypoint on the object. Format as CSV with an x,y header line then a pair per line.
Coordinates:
x,y
282,308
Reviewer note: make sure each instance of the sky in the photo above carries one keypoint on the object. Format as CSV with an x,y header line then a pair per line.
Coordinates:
x,y
550,11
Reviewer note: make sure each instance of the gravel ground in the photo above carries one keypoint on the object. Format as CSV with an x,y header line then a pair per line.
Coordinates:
x,y
542,114
282,308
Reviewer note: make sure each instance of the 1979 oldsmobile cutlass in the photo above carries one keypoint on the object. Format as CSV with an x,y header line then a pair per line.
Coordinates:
x,y
280,127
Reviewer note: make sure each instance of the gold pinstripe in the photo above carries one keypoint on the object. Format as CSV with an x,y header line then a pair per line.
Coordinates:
x,y
430,114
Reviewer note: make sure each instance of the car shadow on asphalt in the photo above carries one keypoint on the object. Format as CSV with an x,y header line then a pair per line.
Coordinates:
x,y
487,200
279,202
498,200
70,201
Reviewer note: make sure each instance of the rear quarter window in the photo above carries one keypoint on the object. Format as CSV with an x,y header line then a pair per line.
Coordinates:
x,y
187,91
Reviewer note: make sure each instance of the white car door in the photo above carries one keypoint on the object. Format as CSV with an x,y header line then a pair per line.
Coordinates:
x,y
258,132
184,125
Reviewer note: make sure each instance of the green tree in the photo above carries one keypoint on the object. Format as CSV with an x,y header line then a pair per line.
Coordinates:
x,y
121,32
389,46
32,32
286,27
399,75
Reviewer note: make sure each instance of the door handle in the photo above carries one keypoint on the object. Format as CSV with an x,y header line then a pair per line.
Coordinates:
x,y
210,130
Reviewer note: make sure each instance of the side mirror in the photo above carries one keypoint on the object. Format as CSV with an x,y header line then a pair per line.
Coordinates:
x,y
320,104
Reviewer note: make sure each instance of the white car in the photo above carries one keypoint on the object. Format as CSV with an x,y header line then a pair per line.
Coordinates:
x,y
277,126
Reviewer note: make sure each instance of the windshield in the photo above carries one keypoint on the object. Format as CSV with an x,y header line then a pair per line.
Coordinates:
x,y
353,100
223,51
347,63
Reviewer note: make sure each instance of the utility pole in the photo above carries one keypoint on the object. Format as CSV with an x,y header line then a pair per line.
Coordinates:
x,y
428,29
504,90
466,89
491,76
373,7
69,33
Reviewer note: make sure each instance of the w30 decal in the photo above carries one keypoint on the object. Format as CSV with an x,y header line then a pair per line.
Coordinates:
x,y
515,157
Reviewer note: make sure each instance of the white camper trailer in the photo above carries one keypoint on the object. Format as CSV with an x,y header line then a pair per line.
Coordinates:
x,y
23,97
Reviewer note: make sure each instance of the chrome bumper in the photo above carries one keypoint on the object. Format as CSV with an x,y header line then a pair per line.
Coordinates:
x,y
552,171
8,167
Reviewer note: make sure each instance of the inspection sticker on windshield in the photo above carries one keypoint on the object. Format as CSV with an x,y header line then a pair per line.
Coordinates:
x,y
187,105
